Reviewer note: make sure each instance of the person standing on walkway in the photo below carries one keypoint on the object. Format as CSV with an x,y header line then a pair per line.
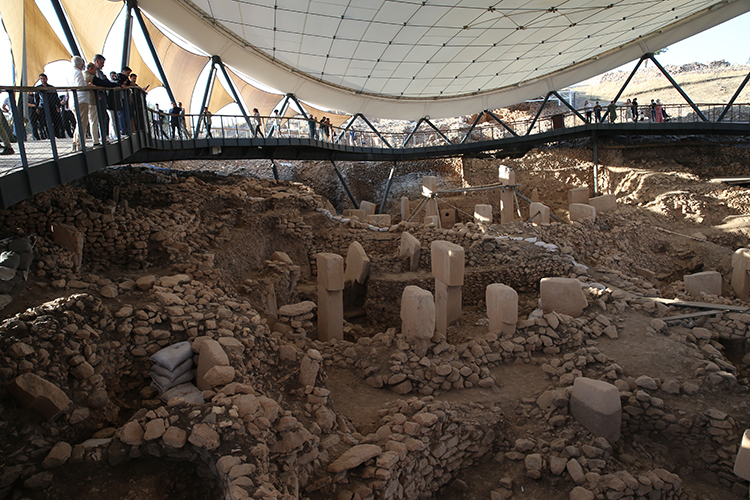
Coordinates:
x,y
258,128
635,109
587,111
612,111
658,112
174,121
206,119
598,112
653,111
628,111
84,101
48,99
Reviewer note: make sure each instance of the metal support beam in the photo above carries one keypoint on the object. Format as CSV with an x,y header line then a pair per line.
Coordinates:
x,y
420,122
381,208
152,49
18,125
568,105
372,127
734,97
624,85
66,28
293,97
206,96
411,134
678,88
346,127
440,133
538,112
217,60
505,126
127,36
343,183
471,127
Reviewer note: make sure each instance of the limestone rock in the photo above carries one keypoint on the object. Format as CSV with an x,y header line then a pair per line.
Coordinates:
x,y
354,456
32,391
203,436
58,455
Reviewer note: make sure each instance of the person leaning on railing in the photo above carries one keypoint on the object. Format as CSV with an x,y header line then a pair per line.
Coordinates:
x,y
4,127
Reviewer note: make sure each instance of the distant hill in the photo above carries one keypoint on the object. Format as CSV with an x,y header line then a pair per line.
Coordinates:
x,y
704,83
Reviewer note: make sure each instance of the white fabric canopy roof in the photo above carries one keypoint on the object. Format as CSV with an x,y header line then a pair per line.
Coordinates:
x,y
408,59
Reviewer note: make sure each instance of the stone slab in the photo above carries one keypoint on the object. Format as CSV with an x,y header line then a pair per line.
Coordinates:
x,y
483,214
330,271
405,208
330,315
417,313
742,461
538,213
604,203
562,295
357,263
368,207
578,195
447,217
740,274
708,282
596,405
410,247
448,262
32,391
580,211
447,306
211,355
502,308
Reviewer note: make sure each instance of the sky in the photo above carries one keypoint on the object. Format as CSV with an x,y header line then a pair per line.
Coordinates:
x,y
728,41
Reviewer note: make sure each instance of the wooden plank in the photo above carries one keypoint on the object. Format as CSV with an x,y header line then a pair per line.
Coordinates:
x,y
692,315
700,305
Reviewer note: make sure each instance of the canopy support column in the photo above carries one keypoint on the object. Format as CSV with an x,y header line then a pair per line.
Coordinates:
x,y
128,35
206,97
217,61
343,183
152,49
66,28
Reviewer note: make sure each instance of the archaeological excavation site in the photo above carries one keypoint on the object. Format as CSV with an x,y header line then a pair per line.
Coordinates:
x,y
502,327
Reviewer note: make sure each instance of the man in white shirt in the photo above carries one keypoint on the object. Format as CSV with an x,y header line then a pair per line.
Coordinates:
x,y
84,100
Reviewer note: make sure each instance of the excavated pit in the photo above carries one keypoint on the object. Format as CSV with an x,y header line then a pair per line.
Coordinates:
x,y
481,416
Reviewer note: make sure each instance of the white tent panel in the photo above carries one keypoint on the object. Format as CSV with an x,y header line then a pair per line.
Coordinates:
x,y
582,38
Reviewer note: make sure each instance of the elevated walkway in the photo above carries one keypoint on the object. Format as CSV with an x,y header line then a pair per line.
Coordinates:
x,y
38,165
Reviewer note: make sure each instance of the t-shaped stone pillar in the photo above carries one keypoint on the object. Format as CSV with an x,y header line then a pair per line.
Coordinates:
x,y
740,275
429,186
507,177
538,213
417,318
330,297
405,208
448,269
483,214
502,308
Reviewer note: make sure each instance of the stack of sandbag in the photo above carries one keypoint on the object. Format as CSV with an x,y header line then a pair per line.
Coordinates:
x,y
17,257
172,366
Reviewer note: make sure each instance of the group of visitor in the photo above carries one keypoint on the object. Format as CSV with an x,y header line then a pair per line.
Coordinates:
x,y
655,112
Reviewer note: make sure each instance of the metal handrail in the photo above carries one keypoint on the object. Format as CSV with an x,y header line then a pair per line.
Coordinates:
x,y
139,122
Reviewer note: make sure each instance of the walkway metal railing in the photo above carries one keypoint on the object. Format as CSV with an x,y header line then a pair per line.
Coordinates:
x,y
39,133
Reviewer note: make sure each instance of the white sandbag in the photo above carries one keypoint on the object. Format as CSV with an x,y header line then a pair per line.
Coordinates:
x,y
173,374
163,383
171,356
188,392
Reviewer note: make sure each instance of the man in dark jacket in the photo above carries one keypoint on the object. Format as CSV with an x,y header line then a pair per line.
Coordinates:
x,y
48,99
174,120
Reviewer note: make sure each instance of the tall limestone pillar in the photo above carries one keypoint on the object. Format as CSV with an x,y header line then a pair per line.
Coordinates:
x,y
330,297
